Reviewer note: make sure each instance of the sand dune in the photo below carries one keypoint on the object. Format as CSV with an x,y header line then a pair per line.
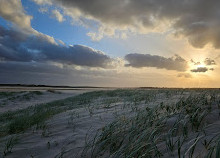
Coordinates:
x,y
75,131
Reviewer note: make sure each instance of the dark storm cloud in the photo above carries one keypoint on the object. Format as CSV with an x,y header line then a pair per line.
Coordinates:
x,y
18,46
200,69
48,73
146,60
209,61
197,20
31,67
37,73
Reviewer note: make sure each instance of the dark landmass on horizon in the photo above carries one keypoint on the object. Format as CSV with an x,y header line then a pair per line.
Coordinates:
x,y
64,86
52,86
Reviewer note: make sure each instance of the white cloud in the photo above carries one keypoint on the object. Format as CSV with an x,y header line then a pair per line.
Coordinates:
x,y
43,2
43,10
196,20
57,15
13,11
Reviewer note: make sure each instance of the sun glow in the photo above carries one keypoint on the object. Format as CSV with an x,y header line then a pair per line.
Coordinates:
x,y
200,65
194,66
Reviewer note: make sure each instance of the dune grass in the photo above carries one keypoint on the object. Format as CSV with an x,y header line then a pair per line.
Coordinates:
x,y
151,133
8,94
172,130
22,95
20,120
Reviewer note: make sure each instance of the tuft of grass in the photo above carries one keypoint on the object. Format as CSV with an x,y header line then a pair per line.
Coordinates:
x,y
10,144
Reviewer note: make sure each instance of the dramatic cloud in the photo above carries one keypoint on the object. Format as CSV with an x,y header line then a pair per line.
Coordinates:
x,y
57,15
18,46
146,60
13,11
43,73
186,75
200,69
197,20
31,67
209,61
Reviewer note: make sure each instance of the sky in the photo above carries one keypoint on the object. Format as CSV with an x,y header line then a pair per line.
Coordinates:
x,y
117,43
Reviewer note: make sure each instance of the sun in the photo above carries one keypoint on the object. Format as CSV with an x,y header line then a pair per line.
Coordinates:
x,y
196,66
200,65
